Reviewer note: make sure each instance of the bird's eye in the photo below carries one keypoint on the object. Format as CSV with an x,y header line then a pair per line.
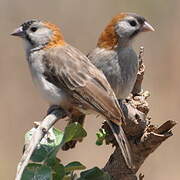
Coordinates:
x,y
33,29
133,23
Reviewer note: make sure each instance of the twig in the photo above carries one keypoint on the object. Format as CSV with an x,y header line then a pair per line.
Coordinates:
x,y
38,134
137,87
141,176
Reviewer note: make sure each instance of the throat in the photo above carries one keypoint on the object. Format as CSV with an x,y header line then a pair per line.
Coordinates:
x,y
30,48
38,48
124,43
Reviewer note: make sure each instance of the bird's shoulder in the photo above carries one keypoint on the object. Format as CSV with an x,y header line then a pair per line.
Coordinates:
x,y
67,56
69,62
99,55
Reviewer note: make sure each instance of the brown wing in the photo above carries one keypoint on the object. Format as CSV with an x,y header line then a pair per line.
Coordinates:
x,y
70,69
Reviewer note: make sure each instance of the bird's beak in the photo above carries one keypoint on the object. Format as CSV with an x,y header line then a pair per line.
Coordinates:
x,y
18,32
147,27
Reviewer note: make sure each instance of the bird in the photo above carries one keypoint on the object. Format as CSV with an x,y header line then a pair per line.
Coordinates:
x,y
66,78
114,54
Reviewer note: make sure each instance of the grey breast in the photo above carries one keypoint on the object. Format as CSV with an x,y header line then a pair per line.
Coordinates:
x,y
120,68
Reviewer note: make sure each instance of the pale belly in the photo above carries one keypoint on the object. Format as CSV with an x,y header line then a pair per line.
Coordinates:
x,y
57,96
52,94
122,88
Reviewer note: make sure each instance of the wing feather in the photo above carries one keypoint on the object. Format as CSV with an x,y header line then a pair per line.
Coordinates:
x,y
68,68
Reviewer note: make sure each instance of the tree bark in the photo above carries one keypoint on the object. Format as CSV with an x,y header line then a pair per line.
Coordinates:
x,y
144,137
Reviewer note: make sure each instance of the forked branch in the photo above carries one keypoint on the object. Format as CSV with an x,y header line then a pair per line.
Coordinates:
x,y
143,136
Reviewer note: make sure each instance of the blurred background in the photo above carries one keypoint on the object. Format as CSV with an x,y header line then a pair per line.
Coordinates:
x,y
81,22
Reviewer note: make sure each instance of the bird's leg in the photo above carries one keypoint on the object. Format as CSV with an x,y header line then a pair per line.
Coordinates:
x,y
56,107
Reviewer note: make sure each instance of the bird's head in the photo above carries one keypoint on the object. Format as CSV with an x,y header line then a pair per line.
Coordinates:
x,y
39,34
122,29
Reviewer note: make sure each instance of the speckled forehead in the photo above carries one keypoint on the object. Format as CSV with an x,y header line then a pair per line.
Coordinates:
x,y
27,24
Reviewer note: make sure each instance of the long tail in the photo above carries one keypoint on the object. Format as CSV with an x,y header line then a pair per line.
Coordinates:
x,y
123,143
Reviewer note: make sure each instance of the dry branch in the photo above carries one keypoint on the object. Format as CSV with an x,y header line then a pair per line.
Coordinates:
x,y
38,134
143,137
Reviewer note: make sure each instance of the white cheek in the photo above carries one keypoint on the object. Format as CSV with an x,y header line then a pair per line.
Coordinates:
x,y
122,28
41,36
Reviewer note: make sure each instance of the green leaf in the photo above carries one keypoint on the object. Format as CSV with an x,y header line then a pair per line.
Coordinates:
x,y
67,178
95,174
54,140
37,172
50,145
47,145
59,172
74,166
71,176
101,135
73,131
52,162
